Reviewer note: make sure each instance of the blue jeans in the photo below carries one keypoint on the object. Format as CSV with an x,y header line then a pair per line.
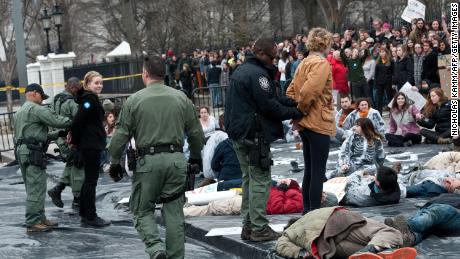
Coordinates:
x,y
424,189
442,218
215,95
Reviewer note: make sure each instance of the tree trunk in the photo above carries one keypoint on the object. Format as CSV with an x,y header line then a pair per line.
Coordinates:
x,y
128,16
240,22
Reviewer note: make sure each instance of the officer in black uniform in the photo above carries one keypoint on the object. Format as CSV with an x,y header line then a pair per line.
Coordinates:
x,y
253,119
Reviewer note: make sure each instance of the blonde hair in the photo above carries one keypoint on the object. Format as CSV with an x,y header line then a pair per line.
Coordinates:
x,y
319,39
88,78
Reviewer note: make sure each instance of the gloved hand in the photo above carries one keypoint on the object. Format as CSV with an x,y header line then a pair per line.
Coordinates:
x,y
116,172
196,161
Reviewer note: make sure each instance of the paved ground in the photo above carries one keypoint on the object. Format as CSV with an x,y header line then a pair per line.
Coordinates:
x,y
121,241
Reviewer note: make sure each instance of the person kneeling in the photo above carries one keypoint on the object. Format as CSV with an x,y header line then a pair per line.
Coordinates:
x,y
338,232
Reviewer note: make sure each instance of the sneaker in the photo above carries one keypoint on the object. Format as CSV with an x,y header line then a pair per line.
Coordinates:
x,y
158,255
444,141
55,195
40,227
96,222
246,232
364,255
50,223
400,223
401,253
265,234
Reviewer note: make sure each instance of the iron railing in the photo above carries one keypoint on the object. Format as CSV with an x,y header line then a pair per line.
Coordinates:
x,y
6,132
211,97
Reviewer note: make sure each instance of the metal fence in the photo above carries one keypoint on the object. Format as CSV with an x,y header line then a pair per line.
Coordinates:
x,y
122,73
6,132
211,97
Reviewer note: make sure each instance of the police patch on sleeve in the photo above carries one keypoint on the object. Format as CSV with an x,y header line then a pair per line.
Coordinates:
x,y
264,83
86,105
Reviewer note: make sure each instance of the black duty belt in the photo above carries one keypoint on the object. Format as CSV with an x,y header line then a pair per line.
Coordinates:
x,y
28,141
153,150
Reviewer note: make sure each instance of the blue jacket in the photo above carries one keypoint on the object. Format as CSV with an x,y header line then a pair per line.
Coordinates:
x,y
225,162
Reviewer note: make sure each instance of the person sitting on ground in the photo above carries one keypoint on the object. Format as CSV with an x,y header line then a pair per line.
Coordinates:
x,y
448,161
226,166
346,108
441,215
403,129
436,114
338,232
214,139
364,110
363,190
208,122
361,150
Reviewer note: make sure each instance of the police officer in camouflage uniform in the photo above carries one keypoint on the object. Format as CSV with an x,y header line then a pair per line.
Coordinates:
x,y
253,115
64,104
30,126
157,117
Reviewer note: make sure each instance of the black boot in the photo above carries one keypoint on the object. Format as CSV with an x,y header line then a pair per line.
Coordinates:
x,y
76,203
55,194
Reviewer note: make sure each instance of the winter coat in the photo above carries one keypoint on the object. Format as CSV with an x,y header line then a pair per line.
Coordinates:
x,y
403,72
355,66
87,128
285,202
225,163
383,73
339,75
440,118
449,161
360,192
311,88
373,115
430,67
358,155
209,150
403,122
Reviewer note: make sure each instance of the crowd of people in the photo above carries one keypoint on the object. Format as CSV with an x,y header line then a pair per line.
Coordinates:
x,y
327,88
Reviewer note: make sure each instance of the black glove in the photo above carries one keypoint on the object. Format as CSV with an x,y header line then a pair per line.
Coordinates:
x,y
196,161
297,114
63,133
116,172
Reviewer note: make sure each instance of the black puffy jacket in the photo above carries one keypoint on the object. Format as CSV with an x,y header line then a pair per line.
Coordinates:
x,y
440,118
403,71
87,127
430,67
251,91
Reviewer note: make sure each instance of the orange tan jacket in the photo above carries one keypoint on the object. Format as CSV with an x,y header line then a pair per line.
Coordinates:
x,y
311,88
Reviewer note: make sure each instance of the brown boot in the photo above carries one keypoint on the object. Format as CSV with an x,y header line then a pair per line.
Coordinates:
x,y
400,223
265,234
50,223
40,227
444,141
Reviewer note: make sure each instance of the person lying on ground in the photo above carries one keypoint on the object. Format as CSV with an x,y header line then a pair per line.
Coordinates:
x,y
364,190
285,197
439,216
360,151
430,189
448,161
364,110
338,232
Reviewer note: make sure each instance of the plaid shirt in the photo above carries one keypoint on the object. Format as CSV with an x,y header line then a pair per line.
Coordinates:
x,y
418,67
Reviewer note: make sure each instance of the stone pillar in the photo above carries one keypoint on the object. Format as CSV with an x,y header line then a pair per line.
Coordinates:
x,y
58,62
46,75
33,73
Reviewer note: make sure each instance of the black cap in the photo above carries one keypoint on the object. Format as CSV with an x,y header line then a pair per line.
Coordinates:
x,y
38,89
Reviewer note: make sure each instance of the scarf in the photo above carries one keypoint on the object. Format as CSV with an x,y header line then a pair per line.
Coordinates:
x,y
363,114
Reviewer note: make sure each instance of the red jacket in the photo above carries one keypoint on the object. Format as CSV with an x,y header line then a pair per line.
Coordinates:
x,y
339,75
287,202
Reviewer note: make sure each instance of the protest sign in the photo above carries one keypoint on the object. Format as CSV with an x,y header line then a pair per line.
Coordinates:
x,y
414,9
